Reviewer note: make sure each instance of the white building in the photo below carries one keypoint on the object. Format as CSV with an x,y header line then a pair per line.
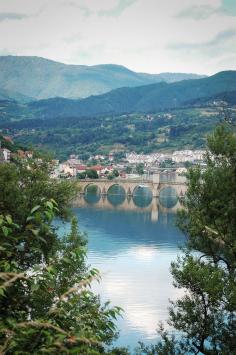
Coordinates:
x,y
67,169
182,156
5,154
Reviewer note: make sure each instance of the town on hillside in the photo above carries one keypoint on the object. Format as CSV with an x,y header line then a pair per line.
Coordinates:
x,y
130,165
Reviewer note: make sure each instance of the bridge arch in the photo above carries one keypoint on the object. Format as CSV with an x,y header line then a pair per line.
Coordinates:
x,y
141,188
114,185
142,195
116,194
168,196
92,193
90,185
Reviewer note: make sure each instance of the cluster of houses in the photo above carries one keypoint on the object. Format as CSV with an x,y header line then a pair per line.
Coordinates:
x,y
6,155
154,158
73,167
192,156
179,156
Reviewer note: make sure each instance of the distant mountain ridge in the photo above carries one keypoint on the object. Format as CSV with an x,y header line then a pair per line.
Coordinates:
x,y
12,95
41,78
148,98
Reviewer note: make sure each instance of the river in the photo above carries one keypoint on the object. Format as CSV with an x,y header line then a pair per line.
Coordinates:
x,y
132,242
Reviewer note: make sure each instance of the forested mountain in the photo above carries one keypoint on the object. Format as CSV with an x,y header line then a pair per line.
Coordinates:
x,y
182,114
148,98
42,78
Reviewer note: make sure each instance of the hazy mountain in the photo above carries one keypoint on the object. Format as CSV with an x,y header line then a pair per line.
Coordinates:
x,y
148,98
12,95
42,78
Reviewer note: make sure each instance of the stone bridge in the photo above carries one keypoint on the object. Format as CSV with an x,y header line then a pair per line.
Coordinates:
x,y
130,185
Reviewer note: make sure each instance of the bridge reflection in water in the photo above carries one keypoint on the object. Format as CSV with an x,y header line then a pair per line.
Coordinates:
x,y
141,201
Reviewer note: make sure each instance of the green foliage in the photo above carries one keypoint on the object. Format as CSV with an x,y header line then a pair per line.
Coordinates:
x,y
25,183
140,168
128,169
205,316
92,174
81,175
115,173
46,303
134,132
110,176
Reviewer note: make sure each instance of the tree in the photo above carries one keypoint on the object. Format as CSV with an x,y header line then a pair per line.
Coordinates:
x,y
81,175
110,176
25,183
115,173
84,156
92,174
128,169
205,316
140,168
45,303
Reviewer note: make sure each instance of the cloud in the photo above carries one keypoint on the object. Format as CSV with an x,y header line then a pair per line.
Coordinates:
x,y
11,16
203,12
118,9
220,39
143,35
197,12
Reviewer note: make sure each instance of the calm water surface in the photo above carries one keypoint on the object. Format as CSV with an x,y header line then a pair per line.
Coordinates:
x,y
132,242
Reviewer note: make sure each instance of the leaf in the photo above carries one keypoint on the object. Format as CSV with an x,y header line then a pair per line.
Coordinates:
x,y
35,231
48,214
2,291
9,219
49,204
35,209
35,287
5,231
54,202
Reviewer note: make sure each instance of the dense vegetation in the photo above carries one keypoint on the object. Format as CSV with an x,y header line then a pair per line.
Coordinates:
x,y
45,302
164,131
205,316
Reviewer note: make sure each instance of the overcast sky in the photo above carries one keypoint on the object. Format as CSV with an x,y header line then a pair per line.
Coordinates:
x,y
145,35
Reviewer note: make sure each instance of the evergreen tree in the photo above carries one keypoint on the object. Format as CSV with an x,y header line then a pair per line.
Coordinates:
x,y
204,319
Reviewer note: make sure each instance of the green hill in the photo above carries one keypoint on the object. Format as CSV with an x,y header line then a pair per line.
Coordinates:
x,y
148,98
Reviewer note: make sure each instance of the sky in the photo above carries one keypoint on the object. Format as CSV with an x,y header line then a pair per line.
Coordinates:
x,y
153,36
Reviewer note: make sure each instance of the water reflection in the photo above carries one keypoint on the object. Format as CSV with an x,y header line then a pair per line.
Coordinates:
x,y
168,197
116,195
141,201
133,248
142,196
92,194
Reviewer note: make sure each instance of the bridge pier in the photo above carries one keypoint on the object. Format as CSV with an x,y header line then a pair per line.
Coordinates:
x,y
156,190
103,191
